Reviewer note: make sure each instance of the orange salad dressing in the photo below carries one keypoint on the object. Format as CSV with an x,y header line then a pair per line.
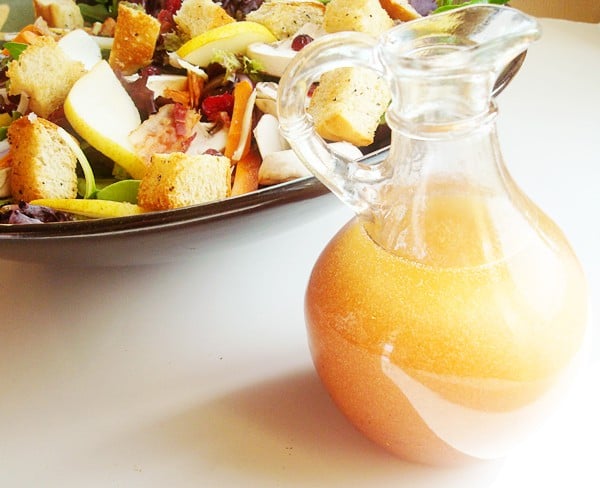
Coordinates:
x,y
451,357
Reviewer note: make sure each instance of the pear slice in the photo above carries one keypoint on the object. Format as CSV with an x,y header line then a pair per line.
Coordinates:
x,y
102,112
91,208
233,37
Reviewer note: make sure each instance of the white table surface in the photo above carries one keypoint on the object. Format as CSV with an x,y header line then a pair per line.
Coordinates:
x,y
198,373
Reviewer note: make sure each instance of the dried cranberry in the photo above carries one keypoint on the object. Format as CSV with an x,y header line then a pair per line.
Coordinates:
x,y
300,41
213,105
173,5
167,22
167,14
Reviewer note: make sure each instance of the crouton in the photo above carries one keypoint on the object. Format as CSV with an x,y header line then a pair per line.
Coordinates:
x,y
43,165
347,105
62,14
400,10
285,17
177,180
366,16
45,74
135,38
197,16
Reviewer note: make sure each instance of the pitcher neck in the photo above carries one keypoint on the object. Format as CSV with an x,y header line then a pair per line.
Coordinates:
x,y
438,107
457,146
426,166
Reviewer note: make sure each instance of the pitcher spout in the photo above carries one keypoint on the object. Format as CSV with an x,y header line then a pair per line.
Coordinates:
x,y
488,35
449,67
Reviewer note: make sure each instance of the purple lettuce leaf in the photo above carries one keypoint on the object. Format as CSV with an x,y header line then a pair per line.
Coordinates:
x,y
23,213
424,7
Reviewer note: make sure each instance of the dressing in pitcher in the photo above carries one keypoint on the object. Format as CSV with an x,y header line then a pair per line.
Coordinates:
x,y
446,317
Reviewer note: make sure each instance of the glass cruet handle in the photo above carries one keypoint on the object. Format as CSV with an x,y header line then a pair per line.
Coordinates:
x,y
350,180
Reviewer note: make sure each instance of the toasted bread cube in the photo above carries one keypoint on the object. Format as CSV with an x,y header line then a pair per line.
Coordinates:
x,y
44,73
285,17
366,16
135,39
197,16
43,165
400,10
62,14
347,105
177,180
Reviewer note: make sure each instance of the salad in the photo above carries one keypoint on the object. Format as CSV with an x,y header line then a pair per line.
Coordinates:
x,y
111,108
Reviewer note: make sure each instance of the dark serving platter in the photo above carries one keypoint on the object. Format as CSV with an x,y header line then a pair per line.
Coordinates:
x,y
173,234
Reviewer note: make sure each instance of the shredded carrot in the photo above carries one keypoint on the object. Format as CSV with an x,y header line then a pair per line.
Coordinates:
x,y
190,96
241,95
246,173
195,86
27,34
178,96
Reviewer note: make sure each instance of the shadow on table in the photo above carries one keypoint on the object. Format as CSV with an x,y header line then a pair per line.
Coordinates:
x,y
286,432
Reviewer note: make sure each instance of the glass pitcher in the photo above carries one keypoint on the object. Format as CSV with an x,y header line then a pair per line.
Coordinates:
x,y
446,317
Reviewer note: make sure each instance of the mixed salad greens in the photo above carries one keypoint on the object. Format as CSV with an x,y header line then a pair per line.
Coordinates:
x,y
216,96
99,10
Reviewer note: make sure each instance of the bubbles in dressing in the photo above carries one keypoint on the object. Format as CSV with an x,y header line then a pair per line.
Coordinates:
x,y
447,360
